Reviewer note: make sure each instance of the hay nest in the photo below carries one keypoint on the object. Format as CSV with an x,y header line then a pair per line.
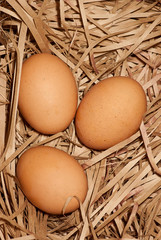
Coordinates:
x,y
97,39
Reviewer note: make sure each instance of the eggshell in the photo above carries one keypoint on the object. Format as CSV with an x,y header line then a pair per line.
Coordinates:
x,y
48,93
110,112
49,176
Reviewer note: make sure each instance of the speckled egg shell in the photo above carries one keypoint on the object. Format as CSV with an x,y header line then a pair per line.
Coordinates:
x,y
48,93
110,112
48,177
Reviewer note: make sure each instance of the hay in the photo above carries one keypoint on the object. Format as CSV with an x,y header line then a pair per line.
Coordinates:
x,y
97,39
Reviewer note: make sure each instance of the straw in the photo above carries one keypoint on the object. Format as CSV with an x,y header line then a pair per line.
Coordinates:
x,y
96,39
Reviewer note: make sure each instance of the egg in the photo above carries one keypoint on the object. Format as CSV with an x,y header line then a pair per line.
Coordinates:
x,y
50,179
48,93
110,112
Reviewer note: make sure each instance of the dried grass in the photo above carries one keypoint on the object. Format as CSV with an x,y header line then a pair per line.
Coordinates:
x,y
97,39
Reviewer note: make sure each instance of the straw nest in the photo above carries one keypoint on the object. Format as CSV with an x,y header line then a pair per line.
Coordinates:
x,y
97,39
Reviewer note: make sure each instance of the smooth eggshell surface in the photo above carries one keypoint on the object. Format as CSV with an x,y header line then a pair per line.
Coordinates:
x,y
49,176
48,93
110,112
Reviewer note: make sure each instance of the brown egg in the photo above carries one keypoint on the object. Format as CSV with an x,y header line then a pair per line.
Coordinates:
x,y
49,177
110,112
48,93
